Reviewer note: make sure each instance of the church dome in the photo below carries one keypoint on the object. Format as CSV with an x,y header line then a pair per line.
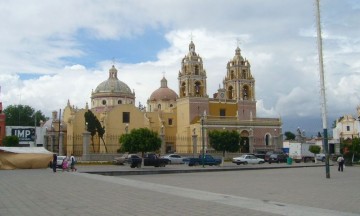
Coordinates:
x,y
163,93
113,84
238,57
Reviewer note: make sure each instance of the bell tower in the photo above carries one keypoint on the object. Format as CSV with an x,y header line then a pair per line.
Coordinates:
x,y
192,77
193,100
240,85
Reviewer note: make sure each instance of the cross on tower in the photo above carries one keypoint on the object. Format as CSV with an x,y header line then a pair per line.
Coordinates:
x,y
238,42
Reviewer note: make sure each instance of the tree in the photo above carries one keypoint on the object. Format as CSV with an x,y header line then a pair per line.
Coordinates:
x,y
315,149
11,141
225,141
23,115
289,135
354,148
140,140
94,126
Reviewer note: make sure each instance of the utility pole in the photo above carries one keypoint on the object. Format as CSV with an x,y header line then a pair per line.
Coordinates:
x,y
322,86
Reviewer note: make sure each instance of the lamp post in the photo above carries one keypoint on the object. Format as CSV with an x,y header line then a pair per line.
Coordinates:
x,y
203,141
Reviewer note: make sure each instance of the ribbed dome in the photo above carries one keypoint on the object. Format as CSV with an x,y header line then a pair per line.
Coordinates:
x,y
113,84
163,93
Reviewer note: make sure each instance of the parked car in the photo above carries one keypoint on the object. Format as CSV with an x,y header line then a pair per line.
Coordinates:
x,y
247,159
174,158
267,154
150,159
277,158
122,159
207,160
320,157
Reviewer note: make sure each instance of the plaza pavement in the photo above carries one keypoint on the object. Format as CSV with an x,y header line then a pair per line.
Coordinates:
x,y
246,190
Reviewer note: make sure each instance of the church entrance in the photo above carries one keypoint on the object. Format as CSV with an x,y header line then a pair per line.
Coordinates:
x,y
244,142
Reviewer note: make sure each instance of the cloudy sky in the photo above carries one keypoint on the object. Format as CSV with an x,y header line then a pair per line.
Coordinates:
x,y
54,51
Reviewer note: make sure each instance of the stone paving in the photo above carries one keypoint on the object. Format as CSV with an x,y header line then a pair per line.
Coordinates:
x,y
300,191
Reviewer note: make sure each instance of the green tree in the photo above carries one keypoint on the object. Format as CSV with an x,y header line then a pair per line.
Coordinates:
x,y
140,140
225,141
94,126
354,148
11,141
289,135
315,149
23,115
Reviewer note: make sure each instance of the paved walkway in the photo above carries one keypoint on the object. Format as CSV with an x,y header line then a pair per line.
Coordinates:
x,y
301,191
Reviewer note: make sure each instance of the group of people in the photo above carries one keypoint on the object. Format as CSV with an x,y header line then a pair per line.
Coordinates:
x,y
65,163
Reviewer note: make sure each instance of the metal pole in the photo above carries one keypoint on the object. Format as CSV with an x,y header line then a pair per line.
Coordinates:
x,y
59,131
322,85
203,141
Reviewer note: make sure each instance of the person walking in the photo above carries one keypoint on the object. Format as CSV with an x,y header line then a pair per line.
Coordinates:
x,y
65,165
54,162
341,161
73,161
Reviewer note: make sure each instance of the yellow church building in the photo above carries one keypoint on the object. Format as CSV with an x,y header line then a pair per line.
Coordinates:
x,y
182,120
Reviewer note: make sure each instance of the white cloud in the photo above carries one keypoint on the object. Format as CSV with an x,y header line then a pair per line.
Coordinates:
x,y
277,37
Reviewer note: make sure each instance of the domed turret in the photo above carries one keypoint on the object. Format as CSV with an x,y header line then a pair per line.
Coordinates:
x,y
111,92
162,98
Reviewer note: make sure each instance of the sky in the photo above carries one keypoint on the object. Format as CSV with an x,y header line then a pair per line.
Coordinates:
x,y
55,51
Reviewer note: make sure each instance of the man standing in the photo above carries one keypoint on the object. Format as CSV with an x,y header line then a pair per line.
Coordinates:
x,y
340,161
54,162
73,161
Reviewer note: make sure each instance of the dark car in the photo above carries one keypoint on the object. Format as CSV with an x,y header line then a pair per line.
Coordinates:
x,y
267,154
277,158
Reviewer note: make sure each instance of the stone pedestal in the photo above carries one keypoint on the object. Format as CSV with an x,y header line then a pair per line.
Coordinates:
x,y
163,145
86,145
194,142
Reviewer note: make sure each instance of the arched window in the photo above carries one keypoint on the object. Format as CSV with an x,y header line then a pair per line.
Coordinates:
x,y
267,139
159,106
196,70
232,75
243,74
171,105
103,102
119,101
245,92
230,92
197,88
183,85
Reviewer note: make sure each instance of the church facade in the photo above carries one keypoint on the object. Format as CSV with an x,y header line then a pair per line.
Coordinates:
x,y
182,119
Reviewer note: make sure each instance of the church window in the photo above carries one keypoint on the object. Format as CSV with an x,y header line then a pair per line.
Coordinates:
x,y
104,102
197,88
222,113
347,128
244,74
126,117
170,121
183,89
119,101
267,139
245,93
196,70
232,76
159,106
171,105
230,92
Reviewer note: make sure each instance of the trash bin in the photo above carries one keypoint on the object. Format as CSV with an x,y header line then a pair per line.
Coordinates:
x,y
289,160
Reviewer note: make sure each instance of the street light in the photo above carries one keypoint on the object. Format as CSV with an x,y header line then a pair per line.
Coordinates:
x,y
203,141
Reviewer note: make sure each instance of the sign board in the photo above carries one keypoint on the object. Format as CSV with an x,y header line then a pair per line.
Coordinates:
x,y
24,134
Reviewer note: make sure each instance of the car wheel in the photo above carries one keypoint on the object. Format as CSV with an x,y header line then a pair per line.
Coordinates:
x,y
245,162
260,162
323,159
238,163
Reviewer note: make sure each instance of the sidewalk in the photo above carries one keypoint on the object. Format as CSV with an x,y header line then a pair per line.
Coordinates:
x,y
300,191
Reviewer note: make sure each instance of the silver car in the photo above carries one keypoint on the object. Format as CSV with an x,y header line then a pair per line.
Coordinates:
x,y
174,158
247,159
